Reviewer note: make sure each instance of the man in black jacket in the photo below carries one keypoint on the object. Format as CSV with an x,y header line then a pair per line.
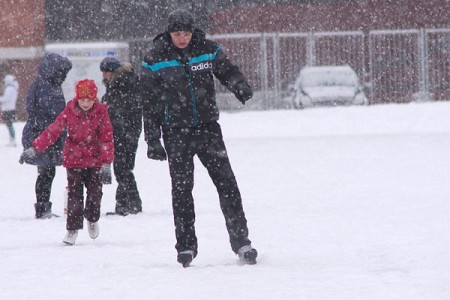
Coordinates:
x,y
125,112
179,97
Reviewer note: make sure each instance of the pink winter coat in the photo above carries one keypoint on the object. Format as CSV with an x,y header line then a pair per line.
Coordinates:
x,y
89,140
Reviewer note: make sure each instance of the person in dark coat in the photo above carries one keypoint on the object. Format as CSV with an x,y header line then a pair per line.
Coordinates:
x,y
178,97
125,111
45,100
87,155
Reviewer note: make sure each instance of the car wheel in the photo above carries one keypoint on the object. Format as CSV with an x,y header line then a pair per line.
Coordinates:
x,y
298,105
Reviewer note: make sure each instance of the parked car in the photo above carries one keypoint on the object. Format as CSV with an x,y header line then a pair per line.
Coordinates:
x,y
327,86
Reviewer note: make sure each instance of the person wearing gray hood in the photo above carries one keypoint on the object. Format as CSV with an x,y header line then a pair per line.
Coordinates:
x,y
45,101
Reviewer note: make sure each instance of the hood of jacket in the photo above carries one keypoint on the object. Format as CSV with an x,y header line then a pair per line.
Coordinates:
x,y
54,68
11,80
123,78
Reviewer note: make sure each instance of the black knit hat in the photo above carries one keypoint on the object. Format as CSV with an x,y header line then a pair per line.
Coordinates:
x,y
110,64
180,20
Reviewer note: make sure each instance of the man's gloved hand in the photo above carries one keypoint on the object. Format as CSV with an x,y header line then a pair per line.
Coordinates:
x,y
27,154
156,150
243,91
105,174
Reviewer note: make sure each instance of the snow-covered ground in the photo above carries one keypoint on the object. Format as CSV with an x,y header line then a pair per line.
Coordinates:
x,y
342,203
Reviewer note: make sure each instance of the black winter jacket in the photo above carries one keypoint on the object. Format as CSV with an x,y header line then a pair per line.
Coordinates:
x,y
124,104
178,84
45,101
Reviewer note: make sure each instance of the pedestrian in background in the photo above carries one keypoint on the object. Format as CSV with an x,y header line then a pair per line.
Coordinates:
x,y
8,106
125,112
87,156
178,97
44,102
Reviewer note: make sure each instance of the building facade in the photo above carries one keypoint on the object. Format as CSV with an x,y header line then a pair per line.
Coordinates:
x,y
22,41
332,15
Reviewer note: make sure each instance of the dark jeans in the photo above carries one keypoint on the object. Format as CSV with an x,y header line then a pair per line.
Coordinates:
x,y
76,210
182,144
9,117
128,199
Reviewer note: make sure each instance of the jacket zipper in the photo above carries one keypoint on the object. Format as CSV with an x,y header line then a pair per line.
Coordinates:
x,y
191,90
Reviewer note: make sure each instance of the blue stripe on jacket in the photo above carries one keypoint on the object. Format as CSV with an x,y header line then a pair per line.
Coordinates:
x,y
161,65
174,63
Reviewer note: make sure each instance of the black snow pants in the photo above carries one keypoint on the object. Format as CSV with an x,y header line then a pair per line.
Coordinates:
x,y
206,141
44,182
43,189
77,210
128,199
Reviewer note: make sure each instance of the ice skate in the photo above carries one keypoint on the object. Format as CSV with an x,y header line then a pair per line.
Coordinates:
x,y
71,237
44,210
119,211
48,215
247,254
93,230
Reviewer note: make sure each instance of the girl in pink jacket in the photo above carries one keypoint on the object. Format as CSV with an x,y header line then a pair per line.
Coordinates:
x,y
87,155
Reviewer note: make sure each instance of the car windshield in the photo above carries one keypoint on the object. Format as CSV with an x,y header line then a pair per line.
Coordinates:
x,y
327,78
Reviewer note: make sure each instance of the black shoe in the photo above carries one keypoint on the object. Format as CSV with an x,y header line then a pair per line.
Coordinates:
x,y
44,210
122,210
113,213
248,254
119,211
135,210
135,203
185,257
49,215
